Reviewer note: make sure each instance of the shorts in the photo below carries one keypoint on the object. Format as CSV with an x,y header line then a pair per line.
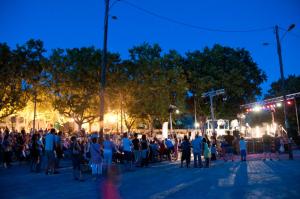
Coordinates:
x,y
243,153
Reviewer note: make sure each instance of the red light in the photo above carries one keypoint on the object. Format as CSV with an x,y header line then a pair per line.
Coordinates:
x,y
289,102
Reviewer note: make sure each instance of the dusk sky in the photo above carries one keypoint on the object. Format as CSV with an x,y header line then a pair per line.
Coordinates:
x,y
79,23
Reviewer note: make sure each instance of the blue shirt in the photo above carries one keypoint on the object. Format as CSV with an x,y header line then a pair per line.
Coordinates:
x,y
197,145
169,143
107,145
49,142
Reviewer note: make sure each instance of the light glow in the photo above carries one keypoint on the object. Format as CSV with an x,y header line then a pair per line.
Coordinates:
x,y
278,104
257,108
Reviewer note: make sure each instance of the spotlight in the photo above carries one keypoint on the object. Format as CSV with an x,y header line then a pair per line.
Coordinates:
x,y
257,108
278,104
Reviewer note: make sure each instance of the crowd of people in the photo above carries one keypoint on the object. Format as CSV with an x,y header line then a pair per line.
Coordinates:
x,y
44,149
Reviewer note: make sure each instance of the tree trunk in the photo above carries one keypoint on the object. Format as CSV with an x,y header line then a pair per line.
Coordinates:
x,y
79,124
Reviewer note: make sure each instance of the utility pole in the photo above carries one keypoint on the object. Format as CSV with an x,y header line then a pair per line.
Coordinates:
x,y
34,111
121,114
211,94
286,124
296,110
195,112
103,68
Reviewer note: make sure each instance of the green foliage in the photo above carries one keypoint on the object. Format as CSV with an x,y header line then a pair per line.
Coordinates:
x,y
20,70
159,81
142,87
223,67
75,75
292,85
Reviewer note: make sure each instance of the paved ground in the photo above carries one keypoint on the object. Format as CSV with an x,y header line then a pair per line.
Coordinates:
x,y
252,179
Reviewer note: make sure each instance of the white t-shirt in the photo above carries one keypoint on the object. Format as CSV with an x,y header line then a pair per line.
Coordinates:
x,y
126,143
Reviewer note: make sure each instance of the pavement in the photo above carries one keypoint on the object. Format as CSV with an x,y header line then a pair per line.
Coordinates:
x,y
251,179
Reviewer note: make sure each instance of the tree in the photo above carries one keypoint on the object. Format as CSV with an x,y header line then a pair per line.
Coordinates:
x,y
75,75
13,92
159,81
223,67
292,85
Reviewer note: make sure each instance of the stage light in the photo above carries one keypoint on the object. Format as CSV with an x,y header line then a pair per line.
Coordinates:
x,y
257,108
278,104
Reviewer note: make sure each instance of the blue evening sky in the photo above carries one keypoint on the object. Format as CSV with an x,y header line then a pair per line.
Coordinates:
x,y
78,23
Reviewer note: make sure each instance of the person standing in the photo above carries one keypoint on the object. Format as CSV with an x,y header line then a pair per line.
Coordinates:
x,y
76,155
96,159
126,145
277,144
243,149
40,148
197,151
229,146
58,149
144,151
136,149
7,150
213,148
108,147
170,148
206,153
290,147
176,143
50,153
267,144
34,153
186,151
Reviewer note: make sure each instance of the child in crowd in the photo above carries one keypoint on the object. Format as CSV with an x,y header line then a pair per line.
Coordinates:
x,y
243,148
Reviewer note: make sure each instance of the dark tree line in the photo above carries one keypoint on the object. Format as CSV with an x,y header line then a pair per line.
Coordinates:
x,y
142,86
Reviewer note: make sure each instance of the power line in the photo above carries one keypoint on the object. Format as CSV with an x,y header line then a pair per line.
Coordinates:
x,y
191,25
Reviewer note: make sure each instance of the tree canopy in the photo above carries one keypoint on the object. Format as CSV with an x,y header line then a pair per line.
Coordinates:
x,y
223,67
20,70
141,87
